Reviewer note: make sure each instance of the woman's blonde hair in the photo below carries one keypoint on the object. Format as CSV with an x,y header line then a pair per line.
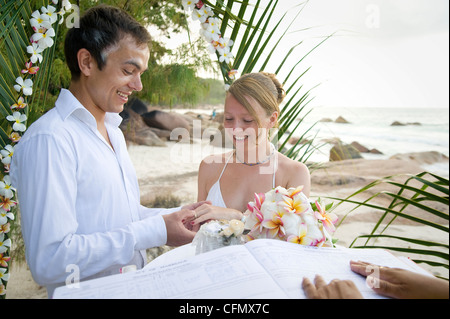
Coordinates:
x,y
262,87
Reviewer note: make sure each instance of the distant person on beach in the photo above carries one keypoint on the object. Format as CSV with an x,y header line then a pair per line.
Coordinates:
x,y
230,180
213,115
392,282
78,191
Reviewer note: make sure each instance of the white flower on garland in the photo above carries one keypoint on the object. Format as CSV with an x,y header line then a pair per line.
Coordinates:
x,y
35,52
6,190
4,216
3,276
225,54
44,37
4,244
25,86
40,21
50,12
18,118
7,153
189,4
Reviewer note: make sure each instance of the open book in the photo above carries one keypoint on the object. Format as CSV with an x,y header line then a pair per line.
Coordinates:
x,y
259,269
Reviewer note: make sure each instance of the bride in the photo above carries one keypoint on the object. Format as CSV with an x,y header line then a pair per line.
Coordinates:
x,y
230,180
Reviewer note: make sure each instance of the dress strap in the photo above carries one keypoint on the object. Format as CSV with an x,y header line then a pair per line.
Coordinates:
x,y
226,163
275,165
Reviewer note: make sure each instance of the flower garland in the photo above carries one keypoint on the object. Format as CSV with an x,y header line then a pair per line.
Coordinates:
x,y
210,30
41,23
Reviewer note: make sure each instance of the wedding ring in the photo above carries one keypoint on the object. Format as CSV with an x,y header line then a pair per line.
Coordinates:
x,y
195,214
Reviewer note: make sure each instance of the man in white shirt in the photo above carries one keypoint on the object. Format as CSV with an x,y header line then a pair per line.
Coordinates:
x,y
77,188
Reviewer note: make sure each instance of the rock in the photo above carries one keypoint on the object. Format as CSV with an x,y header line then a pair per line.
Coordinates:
x,y
165,120
342,151
340,119
397,123
162,134
137,106
375,151
359,147
326,120
136,131
422,157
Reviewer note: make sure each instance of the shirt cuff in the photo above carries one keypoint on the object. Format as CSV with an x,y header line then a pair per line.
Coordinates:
x,y
149,232
150,212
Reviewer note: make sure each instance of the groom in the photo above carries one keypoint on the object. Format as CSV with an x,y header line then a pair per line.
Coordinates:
x,y
78,191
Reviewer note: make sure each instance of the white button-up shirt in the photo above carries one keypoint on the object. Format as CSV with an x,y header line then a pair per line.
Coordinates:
x,y
79,198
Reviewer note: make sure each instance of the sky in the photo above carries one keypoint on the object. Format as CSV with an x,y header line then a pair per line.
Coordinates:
x,y
384,53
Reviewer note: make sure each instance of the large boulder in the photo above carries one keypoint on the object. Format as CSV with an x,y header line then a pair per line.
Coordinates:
x,y
165,120
341,151
359,147
136,131
137,106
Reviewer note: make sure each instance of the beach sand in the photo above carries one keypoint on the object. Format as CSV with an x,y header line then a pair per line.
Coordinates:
x,y
173,170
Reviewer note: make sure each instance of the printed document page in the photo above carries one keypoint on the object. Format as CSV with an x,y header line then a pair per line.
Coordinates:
x,y
289,263
229,273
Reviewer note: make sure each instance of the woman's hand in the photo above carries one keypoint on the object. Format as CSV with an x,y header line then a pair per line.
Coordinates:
x,y
401,283
336,289
208,212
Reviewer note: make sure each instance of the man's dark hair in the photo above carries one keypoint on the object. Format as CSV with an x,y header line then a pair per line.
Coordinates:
x,y
100,28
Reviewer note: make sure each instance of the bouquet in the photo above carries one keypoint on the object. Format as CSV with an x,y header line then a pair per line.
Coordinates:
x,y
218,233
288,215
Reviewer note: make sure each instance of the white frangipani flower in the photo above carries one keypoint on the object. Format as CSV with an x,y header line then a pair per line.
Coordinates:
x,y
6,190
189,4
6,154
225,55
25,86
18,118
35,50
44,39
50,12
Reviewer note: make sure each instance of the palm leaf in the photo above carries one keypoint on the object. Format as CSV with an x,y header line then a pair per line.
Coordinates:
x,y
418,196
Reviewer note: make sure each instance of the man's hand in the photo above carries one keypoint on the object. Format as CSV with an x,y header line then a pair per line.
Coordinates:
x,y
177,233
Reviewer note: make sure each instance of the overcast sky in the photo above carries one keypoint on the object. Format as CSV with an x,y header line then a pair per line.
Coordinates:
x,y
391,53
386,53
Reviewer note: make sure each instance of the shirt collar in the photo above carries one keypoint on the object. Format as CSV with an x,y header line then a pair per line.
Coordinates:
x,y
67,105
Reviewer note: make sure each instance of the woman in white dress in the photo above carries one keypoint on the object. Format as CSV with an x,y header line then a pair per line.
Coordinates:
x,y
230,180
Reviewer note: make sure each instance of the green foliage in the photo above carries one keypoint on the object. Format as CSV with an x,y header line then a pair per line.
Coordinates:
x,y
216,93
172,84
422,199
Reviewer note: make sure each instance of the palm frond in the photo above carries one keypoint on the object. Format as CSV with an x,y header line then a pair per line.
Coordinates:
x,y
422,199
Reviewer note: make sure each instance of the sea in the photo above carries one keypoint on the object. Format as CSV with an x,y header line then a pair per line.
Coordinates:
x,y
425,130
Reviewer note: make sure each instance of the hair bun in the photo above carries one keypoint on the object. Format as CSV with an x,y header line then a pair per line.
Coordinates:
x,y
278,86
